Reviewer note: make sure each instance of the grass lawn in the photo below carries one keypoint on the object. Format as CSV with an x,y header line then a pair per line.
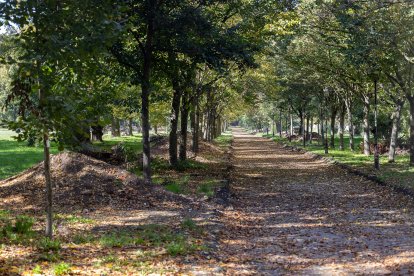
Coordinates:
x,y
133,143
398,173
16,157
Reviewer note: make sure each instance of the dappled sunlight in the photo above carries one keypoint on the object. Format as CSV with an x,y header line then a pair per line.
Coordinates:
x,y
297,215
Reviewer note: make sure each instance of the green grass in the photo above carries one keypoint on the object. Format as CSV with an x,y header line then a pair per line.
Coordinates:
x,y
207,188
133,143
224,140
15,156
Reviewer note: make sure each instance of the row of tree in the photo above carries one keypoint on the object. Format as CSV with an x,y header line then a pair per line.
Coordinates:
x,y
71,67
344,64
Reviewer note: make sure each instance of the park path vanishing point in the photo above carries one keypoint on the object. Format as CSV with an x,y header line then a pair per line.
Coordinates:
x,y
294,215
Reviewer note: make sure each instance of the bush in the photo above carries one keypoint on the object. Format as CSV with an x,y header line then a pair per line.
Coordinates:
x,y
189,224
47,245
23,225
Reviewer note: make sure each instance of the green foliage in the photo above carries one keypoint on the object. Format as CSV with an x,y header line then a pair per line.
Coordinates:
x,y
189,224
23,225
61,268
73,219
189,164
83,238
178,186
37,270
18,231
224,140
207,188
119,239
49,245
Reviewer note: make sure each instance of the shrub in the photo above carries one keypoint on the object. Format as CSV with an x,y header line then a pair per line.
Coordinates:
x,y
47,245
23,225
189,224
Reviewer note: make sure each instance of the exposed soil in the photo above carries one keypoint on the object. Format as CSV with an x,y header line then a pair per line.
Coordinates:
x,y
294,215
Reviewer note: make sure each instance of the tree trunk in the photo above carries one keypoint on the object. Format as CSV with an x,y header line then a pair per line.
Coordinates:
x,y
197,124
307,127
130,129
115,127
175,112
280,123
48,180
333,118
301,123
367,150
184,124
396,116
326,136
342,128
411,101
348,105
311,131
97,133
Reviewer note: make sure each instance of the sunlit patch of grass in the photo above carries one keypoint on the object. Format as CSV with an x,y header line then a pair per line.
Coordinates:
x,y
178,186
83,238
61,269
207,188
73,219
224,140
15,156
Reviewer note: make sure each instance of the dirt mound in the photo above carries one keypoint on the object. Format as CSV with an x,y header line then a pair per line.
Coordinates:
x,y
81,182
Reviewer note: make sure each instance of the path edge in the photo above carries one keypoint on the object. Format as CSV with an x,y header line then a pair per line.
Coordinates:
x,y
349,169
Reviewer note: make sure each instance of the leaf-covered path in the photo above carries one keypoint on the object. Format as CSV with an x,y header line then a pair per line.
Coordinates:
x,y
292,214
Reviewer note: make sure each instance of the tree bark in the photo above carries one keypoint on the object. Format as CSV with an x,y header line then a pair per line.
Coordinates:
x,y
175,112
342,127
184,124
348,104
48,180
333,118
311,131
145,92
115,127
367,150
411,101
396,116
130,129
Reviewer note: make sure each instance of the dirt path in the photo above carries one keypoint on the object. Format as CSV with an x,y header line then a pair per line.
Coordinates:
x,y
295,215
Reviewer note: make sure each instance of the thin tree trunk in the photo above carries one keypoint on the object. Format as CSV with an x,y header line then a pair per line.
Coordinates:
x,y
396,116
342,128
411,101
175,112
130,128
280,123
145,92
367,150
307,128
184,124
333,118
311,131
115,127
198,122
48,180
326,136
348,104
